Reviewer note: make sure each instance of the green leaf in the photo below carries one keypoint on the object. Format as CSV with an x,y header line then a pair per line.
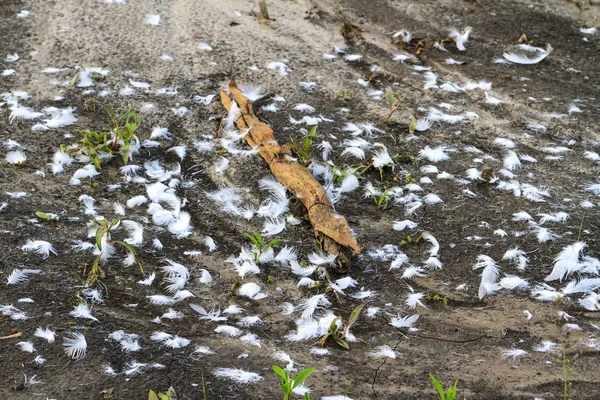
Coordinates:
x,y
452,391
438,386
302,377
355,314
313,132
113,223
256,240
152,395
125,154
333,326
171,393
306,396
272,243
342,342
42,215
279,371
96,161
99,233
131,249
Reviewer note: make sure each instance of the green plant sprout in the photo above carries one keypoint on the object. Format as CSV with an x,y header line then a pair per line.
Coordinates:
x,y
303,151
339,335
382,200
118,141
103,232
409,240
437,298
289,382
259,245
169,395
394,101
449,394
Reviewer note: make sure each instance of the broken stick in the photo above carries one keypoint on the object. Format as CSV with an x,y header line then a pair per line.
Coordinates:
x,y
331,229
13,336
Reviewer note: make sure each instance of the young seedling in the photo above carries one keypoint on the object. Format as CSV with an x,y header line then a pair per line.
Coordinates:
x,y
102,145
394,101
103,233
382,200
289,382
259,246
45,216
449,394
410,240
303,151
437,298
339,334
169,395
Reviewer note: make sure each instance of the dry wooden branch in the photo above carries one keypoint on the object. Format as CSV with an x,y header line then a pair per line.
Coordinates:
x,y
331,229
13,336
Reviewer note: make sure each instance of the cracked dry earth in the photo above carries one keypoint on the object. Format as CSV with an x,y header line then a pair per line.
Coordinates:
x,y
499,180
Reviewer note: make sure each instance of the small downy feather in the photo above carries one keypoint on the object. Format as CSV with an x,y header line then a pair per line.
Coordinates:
x,y
435,246
228,330
27,347
252,291
567,262
39,246
402,225
148,281
237,375
517,257
414,299
18,276
404,322
514,353
312,303
514,282
383,352
46,334
435,154
75,346
252,339
511,161
489,276
82,310
320,259
545,346
538,54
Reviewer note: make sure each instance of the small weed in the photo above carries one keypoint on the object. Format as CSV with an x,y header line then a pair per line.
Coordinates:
x,y
344,94
409,240
45,216
567,384
259,245
103,233
394,101
437,298
102,145
169,395
289,382
382,200
339,334
270,279
407,159
303,151
449,394
405,178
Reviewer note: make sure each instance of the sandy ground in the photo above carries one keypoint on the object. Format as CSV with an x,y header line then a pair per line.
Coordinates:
x,y
460,340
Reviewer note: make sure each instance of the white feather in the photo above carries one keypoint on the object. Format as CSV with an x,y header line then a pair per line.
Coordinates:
x,y
237,375
489,276
18,276
75,346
